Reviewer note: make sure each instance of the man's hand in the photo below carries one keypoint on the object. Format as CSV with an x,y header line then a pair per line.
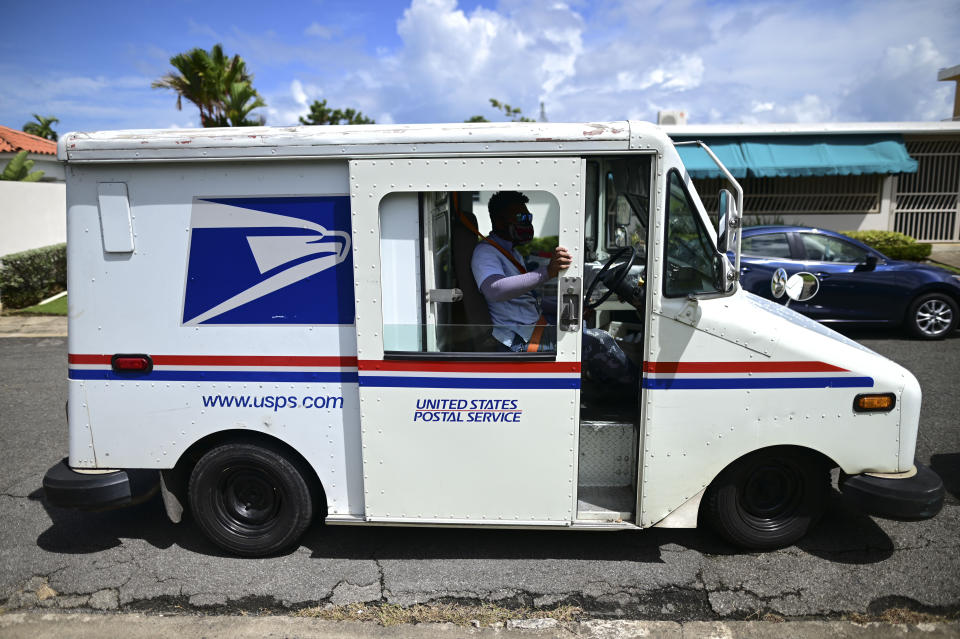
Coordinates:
x,y
560,261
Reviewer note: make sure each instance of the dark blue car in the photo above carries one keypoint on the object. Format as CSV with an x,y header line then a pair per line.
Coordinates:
x,y
858,284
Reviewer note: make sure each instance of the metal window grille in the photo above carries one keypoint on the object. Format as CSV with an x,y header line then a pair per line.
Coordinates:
x,y
927,203
795,196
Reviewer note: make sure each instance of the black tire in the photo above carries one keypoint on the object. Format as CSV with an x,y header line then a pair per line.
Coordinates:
x,y
251,499
932,316
768,499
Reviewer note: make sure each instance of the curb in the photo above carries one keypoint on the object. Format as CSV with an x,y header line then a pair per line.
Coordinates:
x,y
135,626
33,326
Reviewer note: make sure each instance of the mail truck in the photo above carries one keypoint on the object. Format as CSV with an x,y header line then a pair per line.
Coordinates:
x,y
276,327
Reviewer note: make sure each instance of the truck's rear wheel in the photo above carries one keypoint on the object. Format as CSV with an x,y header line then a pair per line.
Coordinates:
x,y
250,499
768,499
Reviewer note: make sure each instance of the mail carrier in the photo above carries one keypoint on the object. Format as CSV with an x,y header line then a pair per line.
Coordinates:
x,y
518,325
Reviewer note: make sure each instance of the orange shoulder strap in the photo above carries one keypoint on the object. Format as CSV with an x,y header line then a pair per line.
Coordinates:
x,y
534,344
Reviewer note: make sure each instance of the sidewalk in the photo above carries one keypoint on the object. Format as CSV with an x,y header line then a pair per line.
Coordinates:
x,y
946,254
33,326
136,626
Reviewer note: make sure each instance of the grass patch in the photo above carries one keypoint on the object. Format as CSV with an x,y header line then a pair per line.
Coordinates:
x,y
901,616
952,269
56,307
484,615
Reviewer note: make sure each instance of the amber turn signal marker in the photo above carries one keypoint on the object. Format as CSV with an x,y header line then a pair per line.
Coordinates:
x,y
874,403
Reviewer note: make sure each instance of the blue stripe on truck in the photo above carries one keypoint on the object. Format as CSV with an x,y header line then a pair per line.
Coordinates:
x,y
661,383
470,382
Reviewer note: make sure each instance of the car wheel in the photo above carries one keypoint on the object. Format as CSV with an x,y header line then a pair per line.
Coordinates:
x,y
251,500
768,499
932,316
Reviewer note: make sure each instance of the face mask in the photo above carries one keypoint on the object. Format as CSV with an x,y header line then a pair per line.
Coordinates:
x,y
519,230
520,233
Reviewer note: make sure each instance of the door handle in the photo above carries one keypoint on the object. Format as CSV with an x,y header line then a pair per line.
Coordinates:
x,y
569,304
822,276
444,295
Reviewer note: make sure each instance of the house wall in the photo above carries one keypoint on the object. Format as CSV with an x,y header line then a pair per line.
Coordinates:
x,y
837,203
924,205
52,167
32,214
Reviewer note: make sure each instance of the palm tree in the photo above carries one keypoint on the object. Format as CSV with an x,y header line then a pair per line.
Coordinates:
x,y
220,86
42,128
238,105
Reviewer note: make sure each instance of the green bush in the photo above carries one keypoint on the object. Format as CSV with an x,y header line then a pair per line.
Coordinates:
x,y
896,246
542,246
31,276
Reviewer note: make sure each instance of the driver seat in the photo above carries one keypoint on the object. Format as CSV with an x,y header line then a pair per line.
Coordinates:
x,y
475,316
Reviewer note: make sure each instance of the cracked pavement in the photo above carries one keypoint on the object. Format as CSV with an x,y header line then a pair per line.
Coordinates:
x,y
135,559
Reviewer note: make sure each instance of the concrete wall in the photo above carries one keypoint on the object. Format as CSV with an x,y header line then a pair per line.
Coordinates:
x,y
32,214
879,221
833,221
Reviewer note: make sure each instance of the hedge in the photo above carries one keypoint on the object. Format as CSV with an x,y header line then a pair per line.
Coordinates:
x,y
541,246
31,276
894,245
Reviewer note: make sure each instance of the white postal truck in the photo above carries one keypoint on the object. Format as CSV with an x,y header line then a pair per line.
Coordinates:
x,y
284,323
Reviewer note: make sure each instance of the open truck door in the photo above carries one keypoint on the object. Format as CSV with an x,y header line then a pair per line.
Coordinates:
x,y
460,436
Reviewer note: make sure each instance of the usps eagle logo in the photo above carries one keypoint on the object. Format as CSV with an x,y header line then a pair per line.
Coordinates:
x,y
271,260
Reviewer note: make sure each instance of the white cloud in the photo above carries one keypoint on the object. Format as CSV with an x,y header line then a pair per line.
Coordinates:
x,y
452,62
299,95
762,107
899,86
318,30
674,75
721,62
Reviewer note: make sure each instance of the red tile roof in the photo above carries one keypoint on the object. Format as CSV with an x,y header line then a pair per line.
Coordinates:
x,y
12,140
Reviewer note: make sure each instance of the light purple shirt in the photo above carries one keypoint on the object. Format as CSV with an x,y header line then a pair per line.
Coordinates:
x,y
513,307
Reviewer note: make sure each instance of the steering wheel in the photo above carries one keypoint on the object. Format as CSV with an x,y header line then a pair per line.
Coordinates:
x,y
615,278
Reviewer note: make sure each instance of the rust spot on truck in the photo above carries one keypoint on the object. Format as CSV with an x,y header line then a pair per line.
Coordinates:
x,y
599,129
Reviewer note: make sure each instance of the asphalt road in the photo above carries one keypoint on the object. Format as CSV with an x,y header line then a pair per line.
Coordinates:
x,y
135,559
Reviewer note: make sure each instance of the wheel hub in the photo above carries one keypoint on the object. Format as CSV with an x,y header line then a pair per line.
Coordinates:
x,y
770,494
248,497
934,317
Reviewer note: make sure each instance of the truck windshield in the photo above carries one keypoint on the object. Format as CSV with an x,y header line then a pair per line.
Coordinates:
x,y
691,266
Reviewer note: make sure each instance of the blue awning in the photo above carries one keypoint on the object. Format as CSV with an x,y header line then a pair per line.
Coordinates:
x,y
800,156
700,165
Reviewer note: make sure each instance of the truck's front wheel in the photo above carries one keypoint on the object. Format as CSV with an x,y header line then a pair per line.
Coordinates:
x,y
250,499
768,499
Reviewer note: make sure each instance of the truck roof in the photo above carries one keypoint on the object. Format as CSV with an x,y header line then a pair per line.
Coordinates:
x,y
485,138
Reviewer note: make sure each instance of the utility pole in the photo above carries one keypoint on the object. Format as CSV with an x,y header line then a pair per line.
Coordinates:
x,y
952,74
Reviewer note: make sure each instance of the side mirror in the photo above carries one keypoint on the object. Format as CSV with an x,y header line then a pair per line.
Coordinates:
x,y
799,287
868,265
802,286
728,223
778,283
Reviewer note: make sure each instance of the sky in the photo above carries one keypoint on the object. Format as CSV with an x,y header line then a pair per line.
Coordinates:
x,y
90,64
